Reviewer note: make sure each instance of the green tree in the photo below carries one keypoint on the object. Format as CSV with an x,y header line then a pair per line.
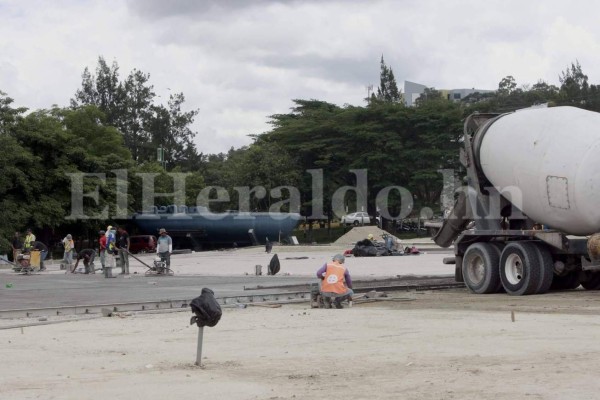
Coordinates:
x,y
574,87
130,106
388,89
170,127
433,144
429,94
264,164
39,150
104,90
15,160
507,86
398,146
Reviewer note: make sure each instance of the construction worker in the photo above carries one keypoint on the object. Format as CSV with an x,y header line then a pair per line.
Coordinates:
x,y
111,237
43,249
371,238
68,245
17,246
164,247
336,282
123,246
268,246
102,247
87,255
29,239
389,242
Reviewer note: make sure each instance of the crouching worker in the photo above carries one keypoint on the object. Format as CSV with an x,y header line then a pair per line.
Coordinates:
x,y
87,255
336,283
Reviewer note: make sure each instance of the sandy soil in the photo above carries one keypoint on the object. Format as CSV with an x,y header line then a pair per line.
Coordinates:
x,y
440,345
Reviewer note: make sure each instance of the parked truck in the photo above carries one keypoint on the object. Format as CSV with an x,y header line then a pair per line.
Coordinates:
x,y
528,215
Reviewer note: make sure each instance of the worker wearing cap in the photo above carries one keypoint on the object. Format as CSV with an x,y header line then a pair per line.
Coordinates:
x,y
336,282
164,247
111,250
102,247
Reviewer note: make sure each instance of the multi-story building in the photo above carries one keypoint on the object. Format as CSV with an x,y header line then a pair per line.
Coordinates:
x,y
413,90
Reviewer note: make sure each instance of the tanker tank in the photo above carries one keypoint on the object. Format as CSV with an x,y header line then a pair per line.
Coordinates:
x,y
546,161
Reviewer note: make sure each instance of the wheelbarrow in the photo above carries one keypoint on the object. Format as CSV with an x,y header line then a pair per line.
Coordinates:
x,y
28,263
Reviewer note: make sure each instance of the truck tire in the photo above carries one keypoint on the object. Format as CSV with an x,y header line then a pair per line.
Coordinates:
x,y
458,275
519,270
480,268
499,246
590,280
546,266
566,282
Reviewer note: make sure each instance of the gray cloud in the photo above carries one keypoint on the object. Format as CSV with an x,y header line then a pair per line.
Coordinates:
x,y
159,9
241,61
342,69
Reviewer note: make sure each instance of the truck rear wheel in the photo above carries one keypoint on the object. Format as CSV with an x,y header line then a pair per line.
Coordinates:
x,y
519,270
480,268
546,266
590,280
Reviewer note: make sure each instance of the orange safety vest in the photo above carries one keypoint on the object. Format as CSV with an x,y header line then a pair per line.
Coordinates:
x,y
334,281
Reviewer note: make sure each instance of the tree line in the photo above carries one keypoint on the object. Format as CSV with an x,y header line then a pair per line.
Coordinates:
x,y
116,123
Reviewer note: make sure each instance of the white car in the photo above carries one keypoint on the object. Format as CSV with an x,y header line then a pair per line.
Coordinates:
x,y
357,218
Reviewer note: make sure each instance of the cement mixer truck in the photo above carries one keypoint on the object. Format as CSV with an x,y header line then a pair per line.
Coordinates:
x,y
526,219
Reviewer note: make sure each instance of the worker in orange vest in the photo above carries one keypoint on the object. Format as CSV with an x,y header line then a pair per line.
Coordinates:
x,y
336,282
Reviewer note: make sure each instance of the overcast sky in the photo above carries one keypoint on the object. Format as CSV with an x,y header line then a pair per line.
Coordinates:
x,y
241,61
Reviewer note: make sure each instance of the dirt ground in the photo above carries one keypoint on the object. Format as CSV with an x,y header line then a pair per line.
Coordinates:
x,y
436,345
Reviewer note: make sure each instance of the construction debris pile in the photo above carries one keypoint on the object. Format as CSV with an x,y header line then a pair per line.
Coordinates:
x,y
359,233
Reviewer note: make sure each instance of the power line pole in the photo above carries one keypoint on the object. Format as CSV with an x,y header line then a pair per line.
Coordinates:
x,y
160,157
369,91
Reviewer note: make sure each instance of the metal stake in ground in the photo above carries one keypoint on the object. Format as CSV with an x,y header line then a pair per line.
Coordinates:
x,y
207,313
199,349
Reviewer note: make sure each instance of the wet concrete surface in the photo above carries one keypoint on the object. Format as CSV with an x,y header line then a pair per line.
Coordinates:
x,y
36,291
227,273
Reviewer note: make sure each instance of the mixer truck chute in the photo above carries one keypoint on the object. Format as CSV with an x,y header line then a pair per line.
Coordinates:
x,y
533,181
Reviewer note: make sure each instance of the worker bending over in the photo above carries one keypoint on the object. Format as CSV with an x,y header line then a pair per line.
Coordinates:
x,y
336,282
87,255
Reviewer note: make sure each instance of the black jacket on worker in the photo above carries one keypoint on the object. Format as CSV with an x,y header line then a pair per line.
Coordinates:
x,y
37,245
86,254
123,240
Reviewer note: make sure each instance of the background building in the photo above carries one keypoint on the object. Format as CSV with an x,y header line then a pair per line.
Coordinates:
x,y
413,90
